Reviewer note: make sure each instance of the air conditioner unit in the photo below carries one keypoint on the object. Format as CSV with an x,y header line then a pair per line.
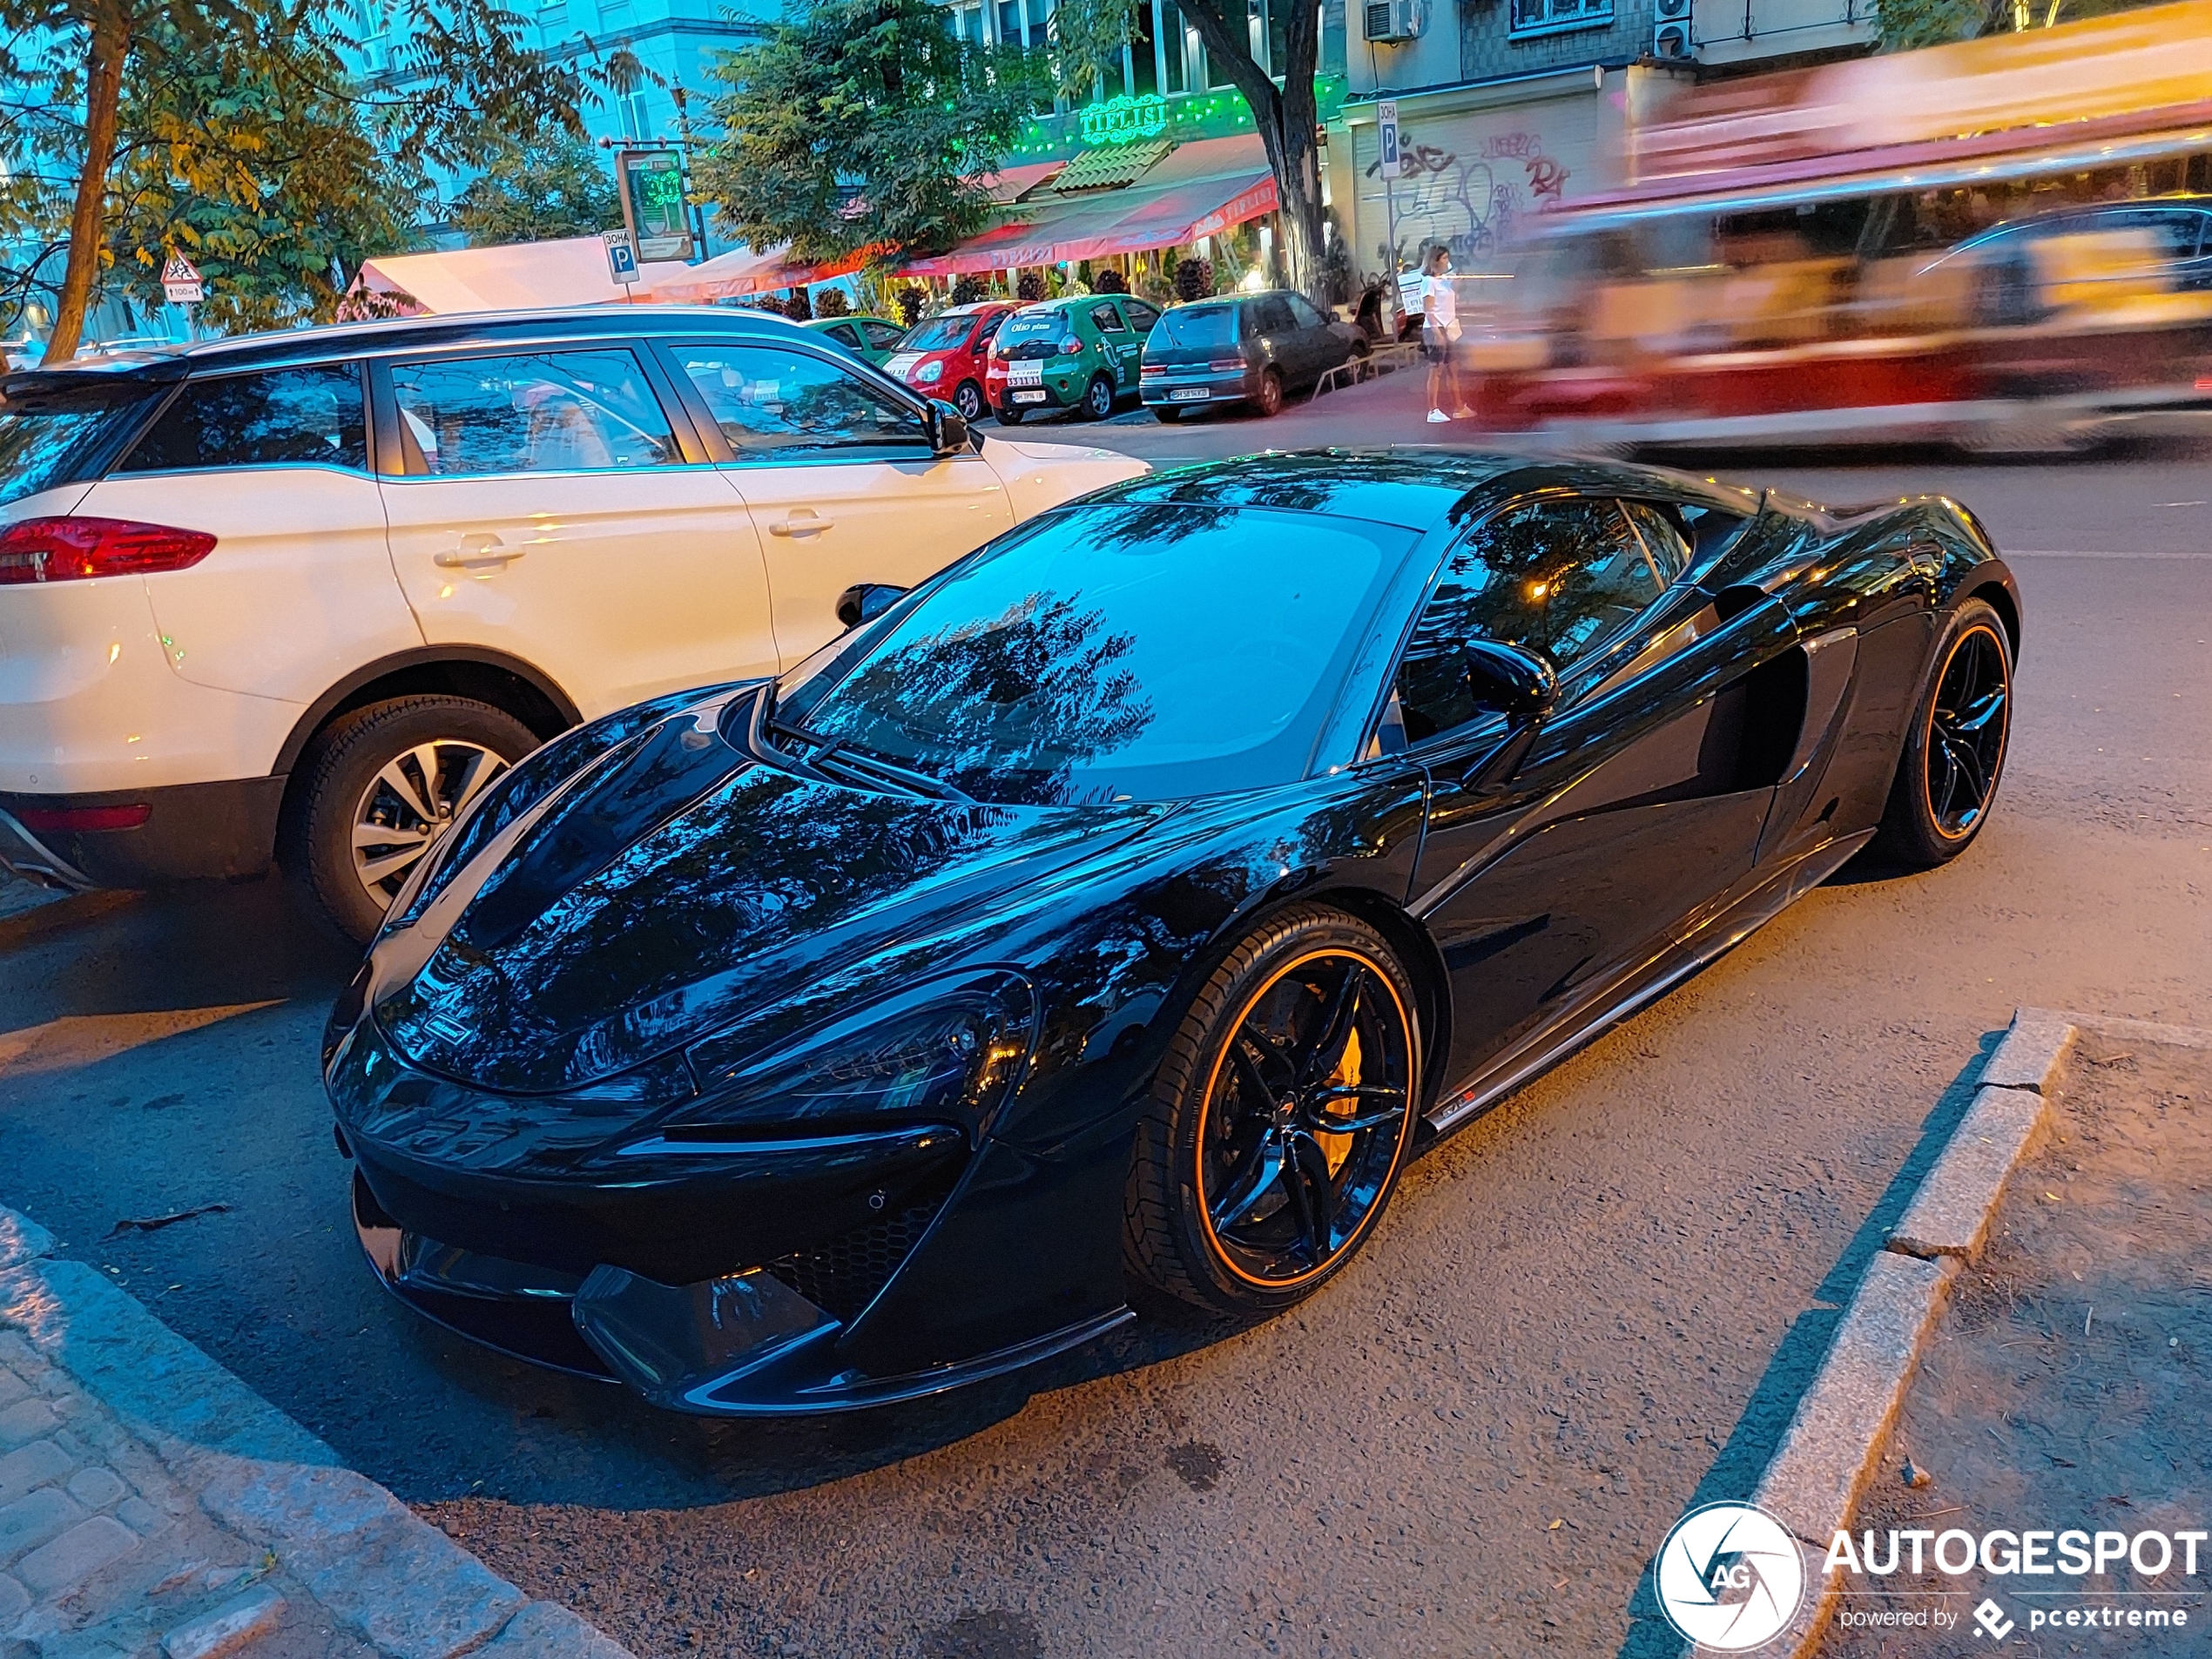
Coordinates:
x,y
1392,19
1670,35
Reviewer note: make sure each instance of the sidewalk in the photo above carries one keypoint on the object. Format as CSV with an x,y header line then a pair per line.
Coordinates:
x,y
151,1504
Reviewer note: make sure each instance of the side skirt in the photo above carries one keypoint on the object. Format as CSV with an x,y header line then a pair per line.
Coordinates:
x,y
1612,1000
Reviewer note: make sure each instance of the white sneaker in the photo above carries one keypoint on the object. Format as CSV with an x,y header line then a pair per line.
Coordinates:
x,y
1437,416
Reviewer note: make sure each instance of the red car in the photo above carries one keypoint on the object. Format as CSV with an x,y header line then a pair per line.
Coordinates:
x,y
944,356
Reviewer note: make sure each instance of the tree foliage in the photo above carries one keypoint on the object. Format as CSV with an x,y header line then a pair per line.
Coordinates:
x,y
863,125
553,186
231,131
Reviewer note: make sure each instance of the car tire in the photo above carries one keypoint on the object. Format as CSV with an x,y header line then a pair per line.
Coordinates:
x,y
344,779
1166,414
1011,416
1954,750
968,398
1269,402
1261,1022
1098,399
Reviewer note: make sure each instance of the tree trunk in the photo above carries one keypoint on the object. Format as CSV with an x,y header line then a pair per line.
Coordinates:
x,y
1286,118
88,222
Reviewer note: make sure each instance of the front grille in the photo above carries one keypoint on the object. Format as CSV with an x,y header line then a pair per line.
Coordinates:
x,y
842,1275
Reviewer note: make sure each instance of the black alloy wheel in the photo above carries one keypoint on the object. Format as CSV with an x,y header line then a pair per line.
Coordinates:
x,y
1954,754
968,398
1270,401
1011,416
1099,398
1279,1122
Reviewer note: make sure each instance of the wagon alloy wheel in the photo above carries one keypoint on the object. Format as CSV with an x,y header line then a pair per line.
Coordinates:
x,y
968,398
1966,737
1099,398
1303,1117
411,802
1278,1121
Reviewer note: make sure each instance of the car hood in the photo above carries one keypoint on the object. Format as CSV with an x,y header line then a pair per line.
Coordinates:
x,y
680,888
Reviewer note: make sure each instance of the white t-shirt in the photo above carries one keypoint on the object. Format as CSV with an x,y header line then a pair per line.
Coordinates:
x,y
1440,304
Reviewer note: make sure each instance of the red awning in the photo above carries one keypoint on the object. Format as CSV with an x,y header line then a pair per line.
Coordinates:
x,y
741,271
1202,189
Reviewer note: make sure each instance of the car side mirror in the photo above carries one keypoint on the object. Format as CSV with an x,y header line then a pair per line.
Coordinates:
x,y
865,602
949,433
1505,680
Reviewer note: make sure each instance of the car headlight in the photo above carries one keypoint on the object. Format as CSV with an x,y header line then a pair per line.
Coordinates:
x,y
929,373
947,1051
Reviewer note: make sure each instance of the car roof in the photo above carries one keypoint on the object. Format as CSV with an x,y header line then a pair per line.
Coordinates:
x,y
2187,202
410,334
1414,487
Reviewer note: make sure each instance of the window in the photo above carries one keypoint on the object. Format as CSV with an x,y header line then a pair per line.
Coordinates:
x,y
844,334
1272,315
1302,310
1141,315
55,434
774,403
558,411
1542,17
286,417
881,335
1559,577
1191,327
1107,321
989,332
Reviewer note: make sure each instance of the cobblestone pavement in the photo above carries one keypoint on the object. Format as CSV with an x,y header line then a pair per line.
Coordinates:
x,y
151,1504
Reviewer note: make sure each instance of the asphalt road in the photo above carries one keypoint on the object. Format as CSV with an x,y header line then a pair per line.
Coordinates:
x,y
1591,1308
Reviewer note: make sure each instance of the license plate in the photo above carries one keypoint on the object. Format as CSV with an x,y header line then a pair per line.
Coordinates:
x,y
899,367
1029,397
1027,372
1189,395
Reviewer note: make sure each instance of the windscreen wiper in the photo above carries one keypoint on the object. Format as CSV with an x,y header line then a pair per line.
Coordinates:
x,y
829,755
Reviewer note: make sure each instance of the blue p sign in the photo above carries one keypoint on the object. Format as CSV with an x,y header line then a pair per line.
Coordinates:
x,y
622,259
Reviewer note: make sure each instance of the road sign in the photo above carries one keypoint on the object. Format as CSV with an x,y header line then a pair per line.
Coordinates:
x,y
180,281
1386,133
622,259
652,203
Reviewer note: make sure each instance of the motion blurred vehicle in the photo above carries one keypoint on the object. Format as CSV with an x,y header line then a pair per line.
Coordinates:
x,y
306,595
871,339
1081,352
1107,923
1999,245
1252,349
947,357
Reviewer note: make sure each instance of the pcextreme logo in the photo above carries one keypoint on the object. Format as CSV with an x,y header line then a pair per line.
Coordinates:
x,y
1730,1577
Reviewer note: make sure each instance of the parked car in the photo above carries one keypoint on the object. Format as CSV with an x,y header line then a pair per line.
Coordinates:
x,y
870,339
305,594
1080,352
1253,348
913,1018
946,355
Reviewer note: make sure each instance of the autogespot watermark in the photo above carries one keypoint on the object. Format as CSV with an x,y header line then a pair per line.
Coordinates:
x,y
1731,1579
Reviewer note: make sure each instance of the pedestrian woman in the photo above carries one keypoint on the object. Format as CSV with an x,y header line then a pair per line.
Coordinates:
x,y
1440,334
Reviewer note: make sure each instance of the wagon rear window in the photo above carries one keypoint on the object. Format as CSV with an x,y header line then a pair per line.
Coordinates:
x,y
55,435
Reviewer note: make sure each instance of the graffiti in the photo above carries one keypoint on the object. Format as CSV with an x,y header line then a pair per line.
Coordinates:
x,y
1469,201
1546,178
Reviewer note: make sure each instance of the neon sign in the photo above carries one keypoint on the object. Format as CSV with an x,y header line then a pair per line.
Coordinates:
x,y
1125,120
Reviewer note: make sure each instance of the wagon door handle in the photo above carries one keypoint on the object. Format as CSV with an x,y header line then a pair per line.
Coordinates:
x,y
804,520
478,547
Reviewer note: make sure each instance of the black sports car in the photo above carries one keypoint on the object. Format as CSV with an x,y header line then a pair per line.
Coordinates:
x,y
1107,921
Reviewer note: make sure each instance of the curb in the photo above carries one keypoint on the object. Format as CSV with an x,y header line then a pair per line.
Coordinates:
x,y
388,1575
1829,1451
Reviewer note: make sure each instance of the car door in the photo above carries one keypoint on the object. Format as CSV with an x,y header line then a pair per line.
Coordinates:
x,y
1118,345
1320,349
838,472
1278,330
546,506
1636,803
297,591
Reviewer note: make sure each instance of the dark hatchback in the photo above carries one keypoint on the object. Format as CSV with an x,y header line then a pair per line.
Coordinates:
x,y
1253,348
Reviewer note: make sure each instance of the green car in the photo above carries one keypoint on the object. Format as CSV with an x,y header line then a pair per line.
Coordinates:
x,y
1080,354
868,337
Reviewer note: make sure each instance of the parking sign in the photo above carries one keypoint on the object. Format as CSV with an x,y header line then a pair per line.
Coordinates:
x,y
1386,132
622,259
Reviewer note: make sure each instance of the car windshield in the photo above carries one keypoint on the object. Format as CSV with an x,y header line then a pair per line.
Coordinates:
x,y
1120,652
941,333
46,432
1197,326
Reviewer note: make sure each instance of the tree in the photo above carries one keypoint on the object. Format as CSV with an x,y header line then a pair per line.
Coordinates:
x,y
553,186
1091,35
221,117
863,126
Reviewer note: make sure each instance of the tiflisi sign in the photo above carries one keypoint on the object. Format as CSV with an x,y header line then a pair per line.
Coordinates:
x,y
1124,120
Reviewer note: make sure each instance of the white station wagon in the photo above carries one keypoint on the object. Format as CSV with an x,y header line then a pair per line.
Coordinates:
x,y
300,596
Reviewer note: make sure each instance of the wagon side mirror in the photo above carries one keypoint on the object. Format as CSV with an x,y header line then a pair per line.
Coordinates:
x,y
1505,680
865,602
949,433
